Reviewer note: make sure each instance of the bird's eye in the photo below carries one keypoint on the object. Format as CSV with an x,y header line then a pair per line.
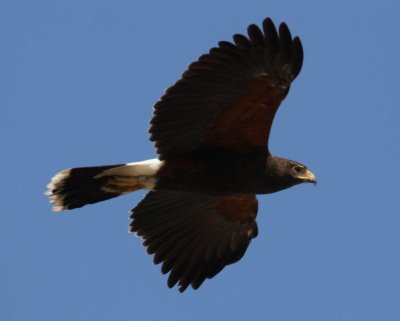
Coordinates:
x,y
297,169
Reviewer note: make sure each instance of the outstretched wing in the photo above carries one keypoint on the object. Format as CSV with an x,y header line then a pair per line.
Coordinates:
x,y
228,98
194,235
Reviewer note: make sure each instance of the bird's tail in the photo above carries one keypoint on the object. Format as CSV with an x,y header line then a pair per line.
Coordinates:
x,y
77,187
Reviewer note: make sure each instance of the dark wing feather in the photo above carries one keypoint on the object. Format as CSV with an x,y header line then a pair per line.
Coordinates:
x,y
229,97
194,235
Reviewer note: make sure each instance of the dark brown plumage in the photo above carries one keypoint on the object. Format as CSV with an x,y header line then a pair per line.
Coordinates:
x,y
228,98
194,235
211,133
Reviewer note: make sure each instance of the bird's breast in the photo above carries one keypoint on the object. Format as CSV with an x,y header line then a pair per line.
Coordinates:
x,y
215,172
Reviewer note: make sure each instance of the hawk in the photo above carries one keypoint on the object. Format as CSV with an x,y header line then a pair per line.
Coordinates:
x,y
210,131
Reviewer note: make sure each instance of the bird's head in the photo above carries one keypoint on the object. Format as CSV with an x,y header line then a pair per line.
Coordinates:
x,y
300,173
286,173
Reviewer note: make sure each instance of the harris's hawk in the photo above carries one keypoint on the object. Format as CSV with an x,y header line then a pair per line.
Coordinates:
x,y
210,131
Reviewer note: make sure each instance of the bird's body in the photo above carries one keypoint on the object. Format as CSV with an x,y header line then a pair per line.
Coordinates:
x,y
211,130
221,172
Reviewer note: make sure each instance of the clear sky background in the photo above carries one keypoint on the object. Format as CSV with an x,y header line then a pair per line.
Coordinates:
x,y
78,80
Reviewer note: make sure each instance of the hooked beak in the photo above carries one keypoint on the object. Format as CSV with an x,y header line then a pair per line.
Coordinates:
x,y
308,177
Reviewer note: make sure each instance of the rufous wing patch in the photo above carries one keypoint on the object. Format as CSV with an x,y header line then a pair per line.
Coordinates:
x,y
245,125
238,208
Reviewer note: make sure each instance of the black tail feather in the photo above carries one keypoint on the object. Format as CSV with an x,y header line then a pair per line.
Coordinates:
x,y
76,187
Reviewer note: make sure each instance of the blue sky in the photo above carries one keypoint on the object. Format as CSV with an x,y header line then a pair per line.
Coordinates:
x,y
79,79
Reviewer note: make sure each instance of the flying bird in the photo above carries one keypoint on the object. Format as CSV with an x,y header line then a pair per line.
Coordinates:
x,y
210,131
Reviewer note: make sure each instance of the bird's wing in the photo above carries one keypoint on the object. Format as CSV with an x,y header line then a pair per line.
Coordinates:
x,y
228,98
194,235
